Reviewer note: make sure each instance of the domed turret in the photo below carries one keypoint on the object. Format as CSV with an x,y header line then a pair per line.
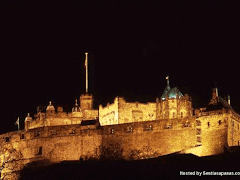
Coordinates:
x,y
28,119
50,109
76,108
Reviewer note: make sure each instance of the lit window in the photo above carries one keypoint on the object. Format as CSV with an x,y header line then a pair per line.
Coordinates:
x,y
130,129
112,131
149,128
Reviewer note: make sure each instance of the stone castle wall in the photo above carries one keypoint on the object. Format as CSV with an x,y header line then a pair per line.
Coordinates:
x,y
72,142
62,118
211,132
233,129
126,112
174,107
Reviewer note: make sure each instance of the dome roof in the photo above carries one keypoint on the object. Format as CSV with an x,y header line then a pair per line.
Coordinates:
x,y
50,106
28,118
174,92
171,93
76,108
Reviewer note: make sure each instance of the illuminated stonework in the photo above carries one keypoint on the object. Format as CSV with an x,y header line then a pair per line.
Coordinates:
x,y
121,130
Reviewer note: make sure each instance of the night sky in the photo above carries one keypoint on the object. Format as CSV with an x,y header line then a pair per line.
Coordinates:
x,y
132,48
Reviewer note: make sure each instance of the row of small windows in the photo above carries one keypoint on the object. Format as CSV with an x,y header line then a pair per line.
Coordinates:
x,y
150,127
174,114
130,129
219,123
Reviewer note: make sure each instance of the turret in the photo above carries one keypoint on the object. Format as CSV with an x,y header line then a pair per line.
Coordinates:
x,y
76,108
50,111
27,121
86,102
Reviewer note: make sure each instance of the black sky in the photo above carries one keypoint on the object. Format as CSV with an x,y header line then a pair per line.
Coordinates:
x,y
132,47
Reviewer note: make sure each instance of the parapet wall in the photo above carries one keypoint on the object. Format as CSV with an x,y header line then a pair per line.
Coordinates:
x,y
149,139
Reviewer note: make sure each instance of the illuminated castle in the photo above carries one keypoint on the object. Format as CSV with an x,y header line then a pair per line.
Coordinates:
x,y
121,130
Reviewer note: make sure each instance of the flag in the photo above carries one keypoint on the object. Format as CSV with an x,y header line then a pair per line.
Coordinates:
x,y
17,122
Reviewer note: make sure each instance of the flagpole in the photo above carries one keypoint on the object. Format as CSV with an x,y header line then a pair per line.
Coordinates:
x,y
86,64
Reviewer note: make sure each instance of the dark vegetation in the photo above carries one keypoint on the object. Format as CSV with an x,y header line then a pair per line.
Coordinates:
x,y
165,167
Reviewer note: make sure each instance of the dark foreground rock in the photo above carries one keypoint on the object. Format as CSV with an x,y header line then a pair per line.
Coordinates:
x,y
158,168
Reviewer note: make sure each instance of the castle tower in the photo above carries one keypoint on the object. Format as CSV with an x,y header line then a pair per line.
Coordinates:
x,y
173,104
86,102
27,121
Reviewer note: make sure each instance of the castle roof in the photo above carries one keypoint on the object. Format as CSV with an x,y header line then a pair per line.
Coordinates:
x,y
165,92
28,118
219,104
170,92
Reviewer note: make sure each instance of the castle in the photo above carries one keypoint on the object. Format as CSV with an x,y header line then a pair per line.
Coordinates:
x,y
125,130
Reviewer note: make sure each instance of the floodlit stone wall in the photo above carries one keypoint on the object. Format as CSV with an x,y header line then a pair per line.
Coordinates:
x,y
148,139
72,142
211,133
109,115
234,129
62,118
178,107
121,112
